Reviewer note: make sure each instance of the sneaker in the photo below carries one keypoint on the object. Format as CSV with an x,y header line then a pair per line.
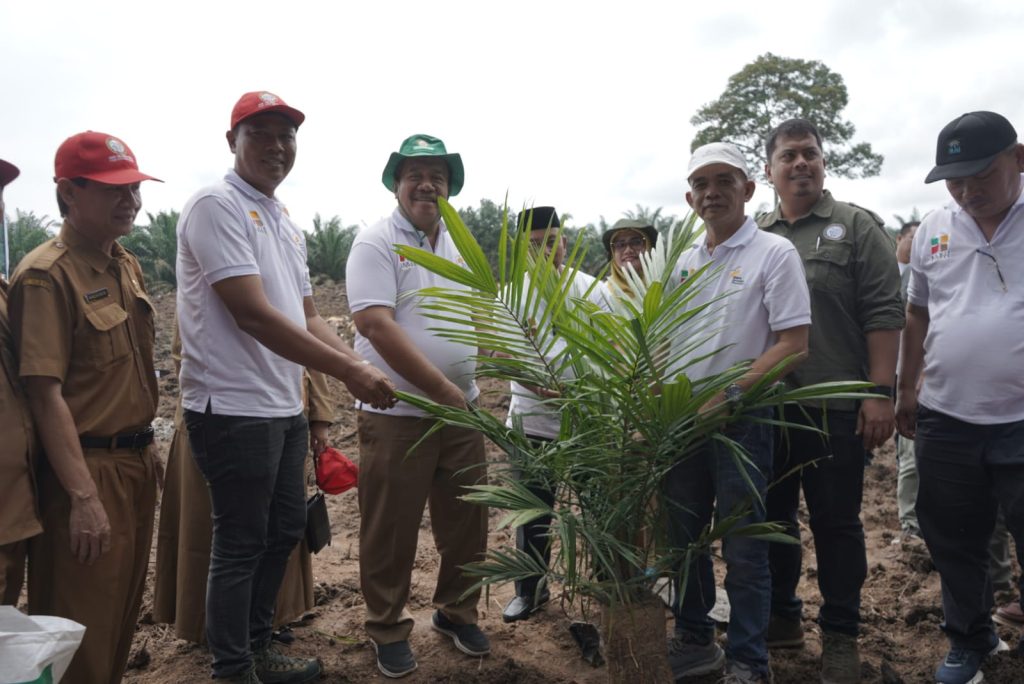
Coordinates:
x,y
783,633
840,659
688,656
1009,615
395,659
468,638
963,665
741,673
273,667
247,677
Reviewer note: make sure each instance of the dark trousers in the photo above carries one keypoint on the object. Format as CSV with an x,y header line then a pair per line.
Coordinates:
x,y
254,470
833,486
534,538
966,472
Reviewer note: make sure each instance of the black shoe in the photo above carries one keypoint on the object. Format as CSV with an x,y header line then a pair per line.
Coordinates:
x,y
468,638
395,659
522,607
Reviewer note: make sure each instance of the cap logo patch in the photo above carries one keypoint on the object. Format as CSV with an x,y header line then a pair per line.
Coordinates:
x,y
835,231
120,152
267,100
422,143
954,147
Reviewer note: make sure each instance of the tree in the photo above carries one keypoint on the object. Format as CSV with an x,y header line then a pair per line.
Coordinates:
x,y
26,232
156,247
327,247
628,414
772,89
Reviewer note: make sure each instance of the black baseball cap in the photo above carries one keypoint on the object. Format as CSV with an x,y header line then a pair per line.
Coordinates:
x,y
969,143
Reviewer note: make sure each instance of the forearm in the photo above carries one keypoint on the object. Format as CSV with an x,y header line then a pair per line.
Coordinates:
x,y
883,349
395,347
59,437
790,344
319,329
281,335
912,349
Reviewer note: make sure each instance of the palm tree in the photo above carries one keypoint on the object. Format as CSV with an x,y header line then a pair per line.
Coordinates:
x,y
628,414
328,247
156,248
26,232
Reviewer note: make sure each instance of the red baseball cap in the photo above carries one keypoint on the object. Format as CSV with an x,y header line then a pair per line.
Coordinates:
x,y
8,172
259,102
99,157
334,472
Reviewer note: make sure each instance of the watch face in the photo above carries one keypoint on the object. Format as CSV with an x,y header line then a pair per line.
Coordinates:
x,y
733,392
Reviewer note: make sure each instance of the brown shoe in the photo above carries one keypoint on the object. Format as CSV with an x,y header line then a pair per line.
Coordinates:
x,y
1009,615
840,659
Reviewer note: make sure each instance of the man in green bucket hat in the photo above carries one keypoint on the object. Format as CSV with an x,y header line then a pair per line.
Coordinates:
x,y
394,484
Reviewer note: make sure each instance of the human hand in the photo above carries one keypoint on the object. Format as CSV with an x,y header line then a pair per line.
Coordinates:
x,y
906,414
448,394
715,405
371,385
89,528
318,435
876,421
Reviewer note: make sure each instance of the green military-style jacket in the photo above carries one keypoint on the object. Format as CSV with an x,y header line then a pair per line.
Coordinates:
x,y
850,263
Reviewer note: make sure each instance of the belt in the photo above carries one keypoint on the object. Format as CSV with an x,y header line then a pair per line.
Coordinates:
x,y
128,440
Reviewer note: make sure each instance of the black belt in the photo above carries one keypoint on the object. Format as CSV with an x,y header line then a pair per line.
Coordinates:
x,y
128,440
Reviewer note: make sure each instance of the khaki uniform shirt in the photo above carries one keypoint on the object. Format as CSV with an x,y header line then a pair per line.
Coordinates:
x,y
19,515
83,316
850,262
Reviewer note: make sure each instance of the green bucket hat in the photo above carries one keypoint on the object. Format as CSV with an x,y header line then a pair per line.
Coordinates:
x,y
641,227
421,145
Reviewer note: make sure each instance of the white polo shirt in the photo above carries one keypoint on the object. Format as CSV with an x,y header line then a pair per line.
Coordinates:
x,y
227,230
376,276
539,419
974,349
765,290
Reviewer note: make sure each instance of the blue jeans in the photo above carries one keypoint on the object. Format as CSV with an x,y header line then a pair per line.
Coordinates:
x,y
966,472
692,487
254,470
833,488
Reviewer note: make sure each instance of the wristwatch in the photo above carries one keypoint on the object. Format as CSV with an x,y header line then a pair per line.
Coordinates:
x,y
733,393
881,389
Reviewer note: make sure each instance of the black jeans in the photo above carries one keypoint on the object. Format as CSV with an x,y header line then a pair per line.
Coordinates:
x,y
535,537
966,472
833,488
254,470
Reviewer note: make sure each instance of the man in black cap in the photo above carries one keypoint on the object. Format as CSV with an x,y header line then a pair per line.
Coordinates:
x,y
967,420
538,421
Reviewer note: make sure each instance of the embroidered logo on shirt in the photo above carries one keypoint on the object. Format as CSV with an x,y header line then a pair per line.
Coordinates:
x,y
835,231
939,245
257,222
97,294
684,275
736,276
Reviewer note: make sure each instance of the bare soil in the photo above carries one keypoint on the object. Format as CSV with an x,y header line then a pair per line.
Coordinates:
x,y
901,640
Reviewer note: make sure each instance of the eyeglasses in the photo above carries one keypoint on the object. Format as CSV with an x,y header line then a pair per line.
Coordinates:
x,y
995,263
637,244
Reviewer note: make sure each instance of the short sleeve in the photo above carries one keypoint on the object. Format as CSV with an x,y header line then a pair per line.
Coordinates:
x,y
40,325
220,241
786,296
370,276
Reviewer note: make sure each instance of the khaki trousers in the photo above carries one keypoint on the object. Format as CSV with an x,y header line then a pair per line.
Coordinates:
x,y
394,486
104,596
12,571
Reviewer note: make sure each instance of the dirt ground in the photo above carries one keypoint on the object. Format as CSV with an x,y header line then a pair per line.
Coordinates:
x,y
901,640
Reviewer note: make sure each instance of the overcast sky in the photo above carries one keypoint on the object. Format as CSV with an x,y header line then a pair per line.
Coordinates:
x,y
583,105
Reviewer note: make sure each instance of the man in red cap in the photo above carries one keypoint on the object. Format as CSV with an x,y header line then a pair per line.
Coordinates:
x,y
965,323
248,325
19,515
83,329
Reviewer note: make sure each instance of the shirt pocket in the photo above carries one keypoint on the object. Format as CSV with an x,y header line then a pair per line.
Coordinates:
x,y
828,267
105,340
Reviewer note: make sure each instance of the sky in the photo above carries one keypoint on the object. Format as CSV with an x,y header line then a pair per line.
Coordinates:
x,y
580,105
